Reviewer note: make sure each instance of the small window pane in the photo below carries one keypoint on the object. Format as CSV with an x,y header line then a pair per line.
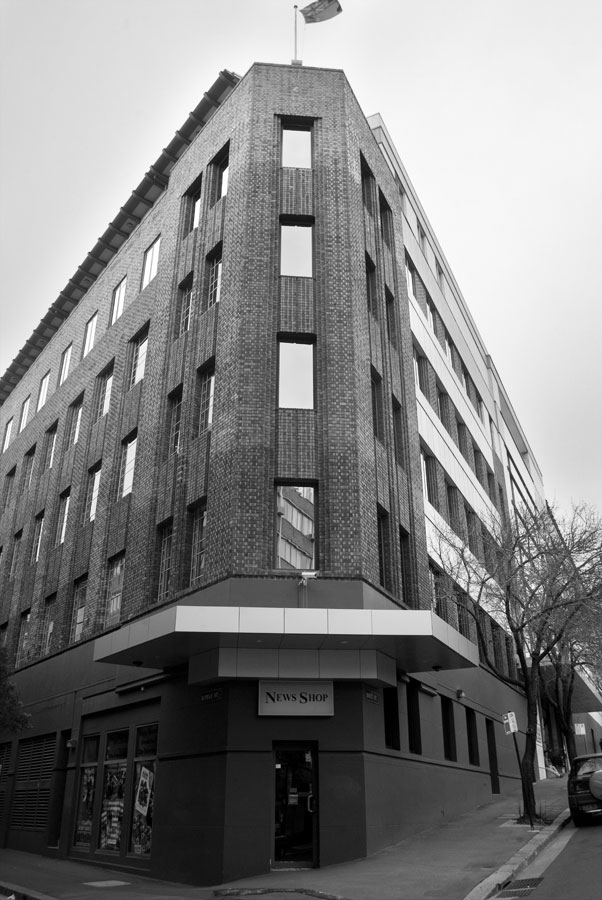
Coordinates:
x,y
296,148
296,375
296,251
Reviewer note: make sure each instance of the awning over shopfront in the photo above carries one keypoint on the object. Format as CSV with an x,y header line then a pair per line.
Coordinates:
x,y
237,641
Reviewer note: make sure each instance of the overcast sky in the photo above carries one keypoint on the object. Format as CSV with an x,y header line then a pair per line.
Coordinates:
x,y
493,106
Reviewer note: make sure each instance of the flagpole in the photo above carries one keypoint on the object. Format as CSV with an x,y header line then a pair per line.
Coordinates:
x,y
295,61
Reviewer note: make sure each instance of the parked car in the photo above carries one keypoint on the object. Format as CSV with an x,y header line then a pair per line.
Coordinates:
x,y
585,788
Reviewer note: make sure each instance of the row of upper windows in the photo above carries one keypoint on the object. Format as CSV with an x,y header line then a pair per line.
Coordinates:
x,y
149,270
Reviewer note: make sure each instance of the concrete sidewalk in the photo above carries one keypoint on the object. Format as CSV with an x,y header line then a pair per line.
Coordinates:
x,y
469,857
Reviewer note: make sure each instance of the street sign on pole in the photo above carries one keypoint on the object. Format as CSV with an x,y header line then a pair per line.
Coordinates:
x,y
509,720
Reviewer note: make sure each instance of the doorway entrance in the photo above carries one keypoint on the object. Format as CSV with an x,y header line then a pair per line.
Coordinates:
x,y
295,808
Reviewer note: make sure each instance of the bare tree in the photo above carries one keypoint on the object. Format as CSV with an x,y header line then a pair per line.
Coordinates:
x,y
534,573
12,717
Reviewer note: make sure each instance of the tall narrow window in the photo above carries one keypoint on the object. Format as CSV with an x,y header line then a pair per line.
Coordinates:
x,y
391,716
453,506
198,543
43,394
192,209
411,278
429,478
23,643
7,433
175,421
414,731
421,372
116,573
296,255
376,386
398,431
65,363
38,531
104,387
295,375
473,737
79,609
440,275
92,489
214,283
295,527
90,335
24,414
128,462
296,147
9,488
48,625
386,221
16,555
151,262
184,307
61,525
75,421
391,318
431,313
138,362
449,729
405,554
118,304
371,295
222,176
206,382
50,446
28,461
165,560
367,187
384,548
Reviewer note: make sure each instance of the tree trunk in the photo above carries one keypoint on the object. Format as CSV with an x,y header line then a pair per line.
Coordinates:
x,y
527,766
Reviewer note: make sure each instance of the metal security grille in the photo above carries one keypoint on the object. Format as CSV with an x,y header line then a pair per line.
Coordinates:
x,y
32,784
4,763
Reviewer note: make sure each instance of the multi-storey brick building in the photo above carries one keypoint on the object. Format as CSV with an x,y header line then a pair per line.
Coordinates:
x,y
225,449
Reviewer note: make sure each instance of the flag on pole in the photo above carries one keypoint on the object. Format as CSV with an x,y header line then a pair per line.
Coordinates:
x,y
321,10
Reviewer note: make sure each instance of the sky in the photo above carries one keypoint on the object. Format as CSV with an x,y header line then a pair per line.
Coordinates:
x,y
493,106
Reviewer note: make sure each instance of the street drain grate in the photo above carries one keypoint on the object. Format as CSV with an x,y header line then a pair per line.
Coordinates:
x,y
526,882
522,887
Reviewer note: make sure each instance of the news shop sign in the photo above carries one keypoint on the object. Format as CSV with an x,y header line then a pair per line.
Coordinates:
x,y
296,698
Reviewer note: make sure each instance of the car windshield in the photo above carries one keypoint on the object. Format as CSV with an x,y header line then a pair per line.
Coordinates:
x,y
587,766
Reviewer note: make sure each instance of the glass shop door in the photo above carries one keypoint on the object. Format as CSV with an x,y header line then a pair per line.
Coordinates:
x,y
296,820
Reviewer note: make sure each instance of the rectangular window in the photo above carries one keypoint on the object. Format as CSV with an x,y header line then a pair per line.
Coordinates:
x,y
214,281
65,363
165,560
114,590
371,295
391,716
104,387
386,221
221,174
138,364
431,314
92,489
118,304
175,421
16,557
9,487
23,644
421,237
421,372
438,598
296,254
472,526
184,307
198,543
206,383
192,200
90,334
128,463
87,790
378,424
449,729
79,609
440,276
429,478
145,778
38,531
75,421
453,506
295,375
295,527
384,548
50,446
43,394
398,431
296,147
151,262
61,525
411,278
391,318
367,186
414,731
462,438
7,433
473,738
27,477
405,555
24,414
48,625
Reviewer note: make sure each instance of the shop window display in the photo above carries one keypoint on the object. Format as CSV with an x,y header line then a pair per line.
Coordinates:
x,y
87,791
144,790
113,791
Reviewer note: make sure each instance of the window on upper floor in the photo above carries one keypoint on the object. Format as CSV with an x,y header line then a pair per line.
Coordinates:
x,y
296,249
371,293
295,374
411,278
421,372
405,557
128,463
391,313
38,533
63,517
139,349
453,506
43,392
192,206
384,547
104,388
440,275
7,433
398,431
65,363
16,555
184,307
151,262
220,174
429,478
50,446
214,276
296,147
75,420
386,221
118,302
92,489
472,528
463,439
79,609
24,639
24,414
165,560
90,334
421,238
9,488
115,577
295,527
378,421
49,621
431,314
367,187
175,420
205,389
198,542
